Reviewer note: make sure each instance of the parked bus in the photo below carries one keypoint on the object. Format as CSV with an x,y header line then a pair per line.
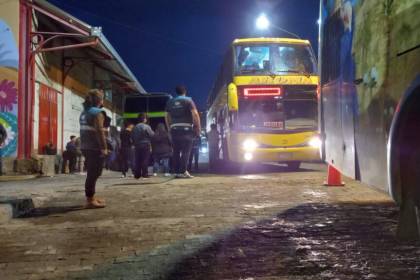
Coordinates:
x,y
264,102
370,92
153,104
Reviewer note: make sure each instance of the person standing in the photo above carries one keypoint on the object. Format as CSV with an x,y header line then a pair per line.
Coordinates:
x,y
93,144
184,122
161,150
79,159
213,140
126,149
70,155
195,153
3,137
141,136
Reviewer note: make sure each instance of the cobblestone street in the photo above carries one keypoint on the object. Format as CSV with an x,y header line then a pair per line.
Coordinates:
x,y
270,224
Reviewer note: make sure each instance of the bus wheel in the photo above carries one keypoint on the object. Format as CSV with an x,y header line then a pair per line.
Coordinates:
x,y
293,165
408,137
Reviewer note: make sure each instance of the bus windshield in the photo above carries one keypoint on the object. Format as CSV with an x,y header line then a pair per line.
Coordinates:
x,y
274,59
149,103
278,115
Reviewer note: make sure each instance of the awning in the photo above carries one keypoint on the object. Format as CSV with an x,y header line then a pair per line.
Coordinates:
x,y
54,24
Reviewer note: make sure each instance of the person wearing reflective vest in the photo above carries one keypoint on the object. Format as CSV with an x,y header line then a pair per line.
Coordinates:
x,y
93,144
183,121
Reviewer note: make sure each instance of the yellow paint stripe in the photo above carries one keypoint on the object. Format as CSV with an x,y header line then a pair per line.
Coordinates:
x,y
275,80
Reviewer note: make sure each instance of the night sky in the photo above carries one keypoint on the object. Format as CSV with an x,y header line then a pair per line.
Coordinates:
x,y
170,42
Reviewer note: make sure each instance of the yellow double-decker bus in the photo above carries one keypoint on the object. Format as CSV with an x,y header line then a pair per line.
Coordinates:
x,y
265,102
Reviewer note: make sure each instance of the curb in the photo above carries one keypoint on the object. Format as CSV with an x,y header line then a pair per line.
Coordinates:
x,y
11,178
14,207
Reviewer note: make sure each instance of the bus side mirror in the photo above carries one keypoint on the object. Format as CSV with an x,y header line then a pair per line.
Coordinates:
x,y
232,97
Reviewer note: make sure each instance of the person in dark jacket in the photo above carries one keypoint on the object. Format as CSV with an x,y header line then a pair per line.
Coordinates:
x,y
161,150
142,136
93,144
126,149
70,155
3,137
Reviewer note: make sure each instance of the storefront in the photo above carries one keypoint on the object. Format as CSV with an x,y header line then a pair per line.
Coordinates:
x,y
48,61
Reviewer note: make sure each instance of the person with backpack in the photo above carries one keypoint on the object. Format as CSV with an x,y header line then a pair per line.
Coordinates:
x,y
161,150
142,136
184,122
3,137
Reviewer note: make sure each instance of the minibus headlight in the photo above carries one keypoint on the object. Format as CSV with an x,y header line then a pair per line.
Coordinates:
x,y
249,145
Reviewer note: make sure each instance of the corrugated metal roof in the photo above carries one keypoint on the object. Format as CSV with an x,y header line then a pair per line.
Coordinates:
x,y
95,31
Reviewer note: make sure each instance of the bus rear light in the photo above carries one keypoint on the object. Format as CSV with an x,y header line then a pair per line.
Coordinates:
x,y
262,91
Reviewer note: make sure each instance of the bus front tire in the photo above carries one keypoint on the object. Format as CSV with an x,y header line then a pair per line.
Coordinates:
x,y
293,165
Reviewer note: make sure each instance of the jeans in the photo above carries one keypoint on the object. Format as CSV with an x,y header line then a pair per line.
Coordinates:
x,y
126,159
159,163
195,153
142,155
71,158
94,162
182,143
213,156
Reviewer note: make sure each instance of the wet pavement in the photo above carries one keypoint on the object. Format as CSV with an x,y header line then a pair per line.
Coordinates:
x,y
264,224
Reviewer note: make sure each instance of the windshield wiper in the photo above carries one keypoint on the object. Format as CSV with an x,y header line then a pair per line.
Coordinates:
x,y
250,71
307,74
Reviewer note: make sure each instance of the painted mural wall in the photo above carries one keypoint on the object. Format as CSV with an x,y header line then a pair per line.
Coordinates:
x,y
9,63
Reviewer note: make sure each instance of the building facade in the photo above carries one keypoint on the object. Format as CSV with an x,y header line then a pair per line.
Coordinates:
x,y
48,61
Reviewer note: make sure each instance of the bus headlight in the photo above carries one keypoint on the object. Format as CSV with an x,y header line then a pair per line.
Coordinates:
x,y
248,156
249,145
315,142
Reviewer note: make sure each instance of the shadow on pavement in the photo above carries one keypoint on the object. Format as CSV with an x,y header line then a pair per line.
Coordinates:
x,y
47,211
315,241
312,241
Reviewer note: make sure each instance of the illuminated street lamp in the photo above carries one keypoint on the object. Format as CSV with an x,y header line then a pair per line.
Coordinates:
x,y
262,22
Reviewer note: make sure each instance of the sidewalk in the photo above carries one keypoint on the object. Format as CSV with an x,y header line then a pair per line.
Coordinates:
x,y
21,194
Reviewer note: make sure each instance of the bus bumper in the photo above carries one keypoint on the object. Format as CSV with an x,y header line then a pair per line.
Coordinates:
x,y
306,153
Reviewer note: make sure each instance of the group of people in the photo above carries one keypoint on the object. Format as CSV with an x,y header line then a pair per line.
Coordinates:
x,y
147,142
183,123
175,146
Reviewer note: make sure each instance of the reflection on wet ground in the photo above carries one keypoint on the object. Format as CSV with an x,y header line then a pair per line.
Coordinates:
x,y
313,241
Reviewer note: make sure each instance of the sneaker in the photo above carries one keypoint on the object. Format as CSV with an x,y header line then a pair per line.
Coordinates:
x,y
186,175
154,174
167,175
123,176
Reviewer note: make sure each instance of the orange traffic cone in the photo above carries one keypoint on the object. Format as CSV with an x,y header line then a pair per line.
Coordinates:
x,y
334,178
